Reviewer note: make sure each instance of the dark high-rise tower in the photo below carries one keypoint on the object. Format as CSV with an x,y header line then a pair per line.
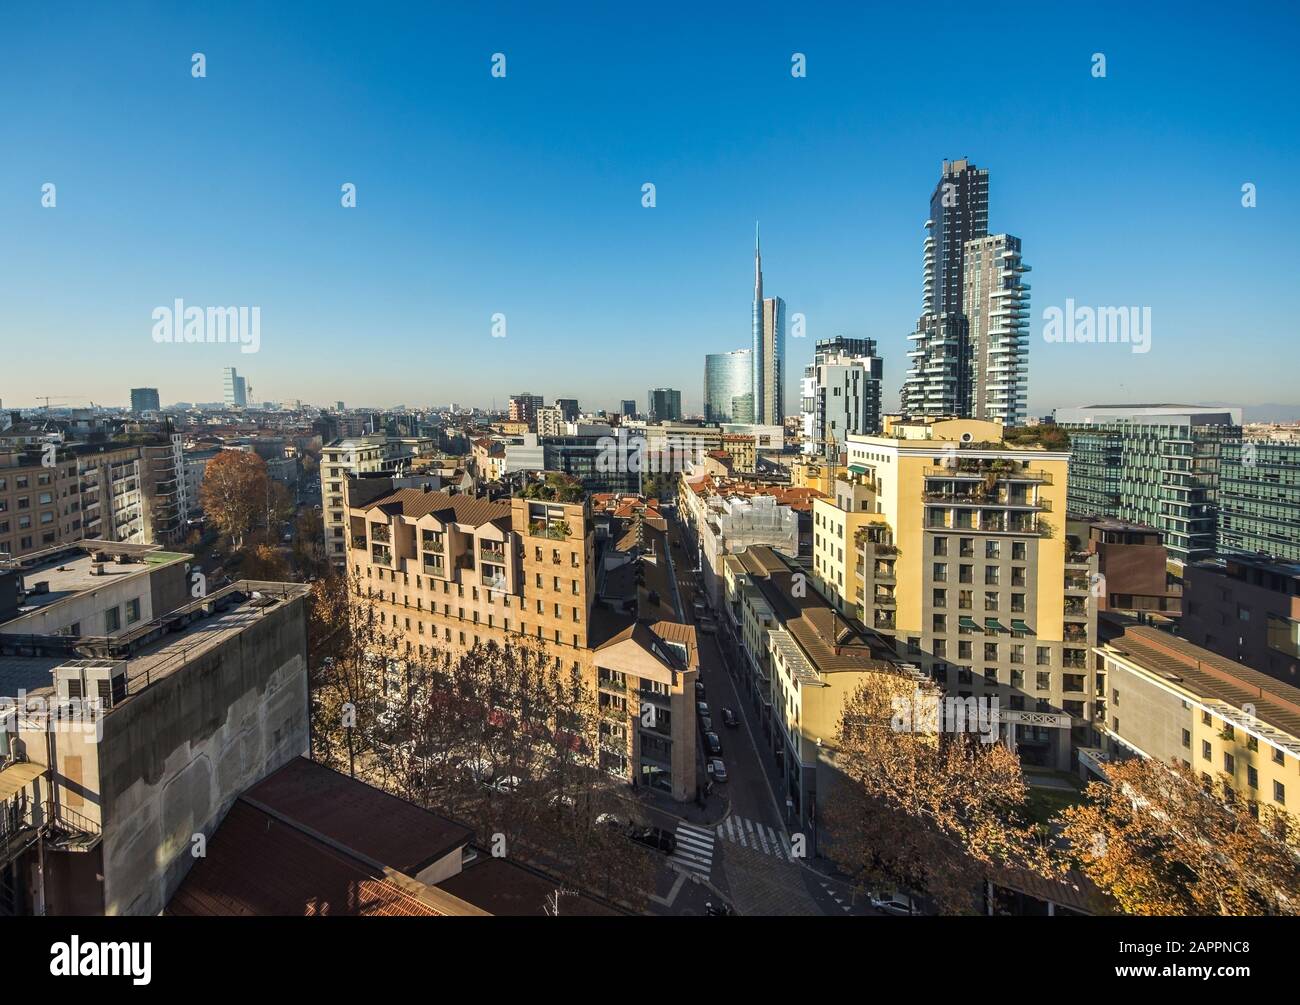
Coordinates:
x,y
941,378
959,212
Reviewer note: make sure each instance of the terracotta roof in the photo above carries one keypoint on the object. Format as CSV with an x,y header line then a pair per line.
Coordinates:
x,y
257,865
797,497
379,826
458,508
505,888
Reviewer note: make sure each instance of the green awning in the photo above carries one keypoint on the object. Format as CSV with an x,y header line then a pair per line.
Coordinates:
x,y
966,622
1019,626
993,625
858,469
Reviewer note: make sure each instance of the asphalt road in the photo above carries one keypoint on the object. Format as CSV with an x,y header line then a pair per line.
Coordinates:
x,y
754,863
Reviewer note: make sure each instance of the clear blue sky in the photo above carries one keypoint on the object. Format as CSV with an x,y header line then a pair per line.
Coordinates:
x,y
522,195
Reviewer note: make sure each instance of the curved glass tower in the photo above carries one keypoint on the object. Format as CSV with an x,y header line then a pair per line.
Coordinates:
x,y
728,386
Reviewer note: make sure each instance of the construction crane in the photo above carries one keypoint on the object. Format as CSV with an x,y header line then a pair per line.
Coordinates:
x,y
47,398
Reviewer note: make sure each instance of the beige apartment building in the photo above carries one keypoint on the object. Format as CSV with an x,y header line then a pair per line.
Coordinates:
x,y
451,571
132,492
351,457
953,542
1174,701
799,661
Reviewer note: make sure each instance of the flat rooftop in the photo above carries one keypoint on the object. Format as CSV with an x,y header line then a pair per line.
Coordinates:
x,y
86,565
152,651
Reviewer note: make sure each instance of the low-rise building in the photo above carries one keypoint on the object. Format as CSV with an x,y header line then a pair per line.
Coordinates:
x,y
1174,701
798,661
122,754
724,516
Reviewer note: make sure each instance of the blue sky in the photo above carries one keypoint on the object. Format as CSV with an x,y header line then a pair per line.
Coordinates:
x,y
522,195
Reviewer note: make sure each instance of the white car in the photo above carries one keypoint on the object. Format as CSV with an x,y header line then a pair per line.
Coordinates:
x,y
717,770
896,902
507,785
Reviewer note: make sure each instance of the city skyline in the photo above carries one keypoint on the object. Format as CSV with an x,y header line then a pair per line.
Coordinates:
x,y
557,240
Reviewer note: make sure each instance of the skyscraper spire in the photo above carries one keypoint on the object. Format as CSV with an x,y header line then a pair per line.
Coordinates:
x,y
758,268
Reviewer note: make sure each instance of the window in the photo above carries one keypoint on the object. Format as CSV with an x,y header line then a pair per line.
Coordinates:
x,y
1229,763
1187,738
1279,792
112,620
992,549
1043,680
133,611
941,546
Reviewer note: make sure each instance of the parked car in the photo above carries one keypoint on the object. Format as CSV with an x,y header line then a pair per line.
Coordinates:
x,y
507,785
729,719
654,837
699,607
613,820
712,741
707,626
895,902
717,770
699,689
706,724
701,708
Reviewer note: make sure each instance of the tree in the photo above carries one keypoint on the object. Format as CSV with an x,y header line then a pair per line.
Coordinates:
x,y
234,492
263,561
1159,842
280,505
309,543
922,808
498,736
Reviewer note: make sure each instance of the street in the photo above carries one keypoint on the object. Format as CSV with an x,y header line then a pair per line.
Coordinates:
x,y
739,844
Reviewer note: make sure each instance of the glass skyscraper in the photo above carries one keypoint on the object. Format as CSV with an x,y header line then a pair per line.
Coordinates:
x,y
728,386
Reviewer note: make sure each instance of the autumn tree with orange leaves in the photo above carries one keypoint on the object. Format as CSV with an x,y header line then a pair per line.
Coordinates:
x,y
1159,842
929,810
234,493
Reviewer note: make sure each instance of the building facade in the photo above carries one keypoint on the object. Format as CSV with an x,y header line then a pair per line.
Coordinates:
x,y
144,399
953,544
1248,610
996,304
352,457
1171,700
1152,464
728,386
450,572
1259,499
841,393
665,404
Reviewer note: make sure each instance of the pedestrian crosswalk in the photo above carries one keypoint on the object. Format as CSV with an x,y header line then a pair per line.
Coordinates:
x,y
694,852
758,836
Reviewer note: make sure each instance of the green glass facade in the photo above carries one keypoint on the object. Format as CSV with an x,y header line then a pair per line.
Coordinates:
x,y
1153,465
1259,499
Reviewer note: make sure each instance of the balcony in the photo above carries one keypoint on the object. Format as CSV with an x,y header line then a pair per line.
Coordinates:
x,y
381,533
554,530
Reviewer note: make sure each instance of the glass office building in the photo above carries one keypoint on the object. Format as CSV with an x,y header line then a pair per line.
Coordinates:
x,y
728,386
1152,464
